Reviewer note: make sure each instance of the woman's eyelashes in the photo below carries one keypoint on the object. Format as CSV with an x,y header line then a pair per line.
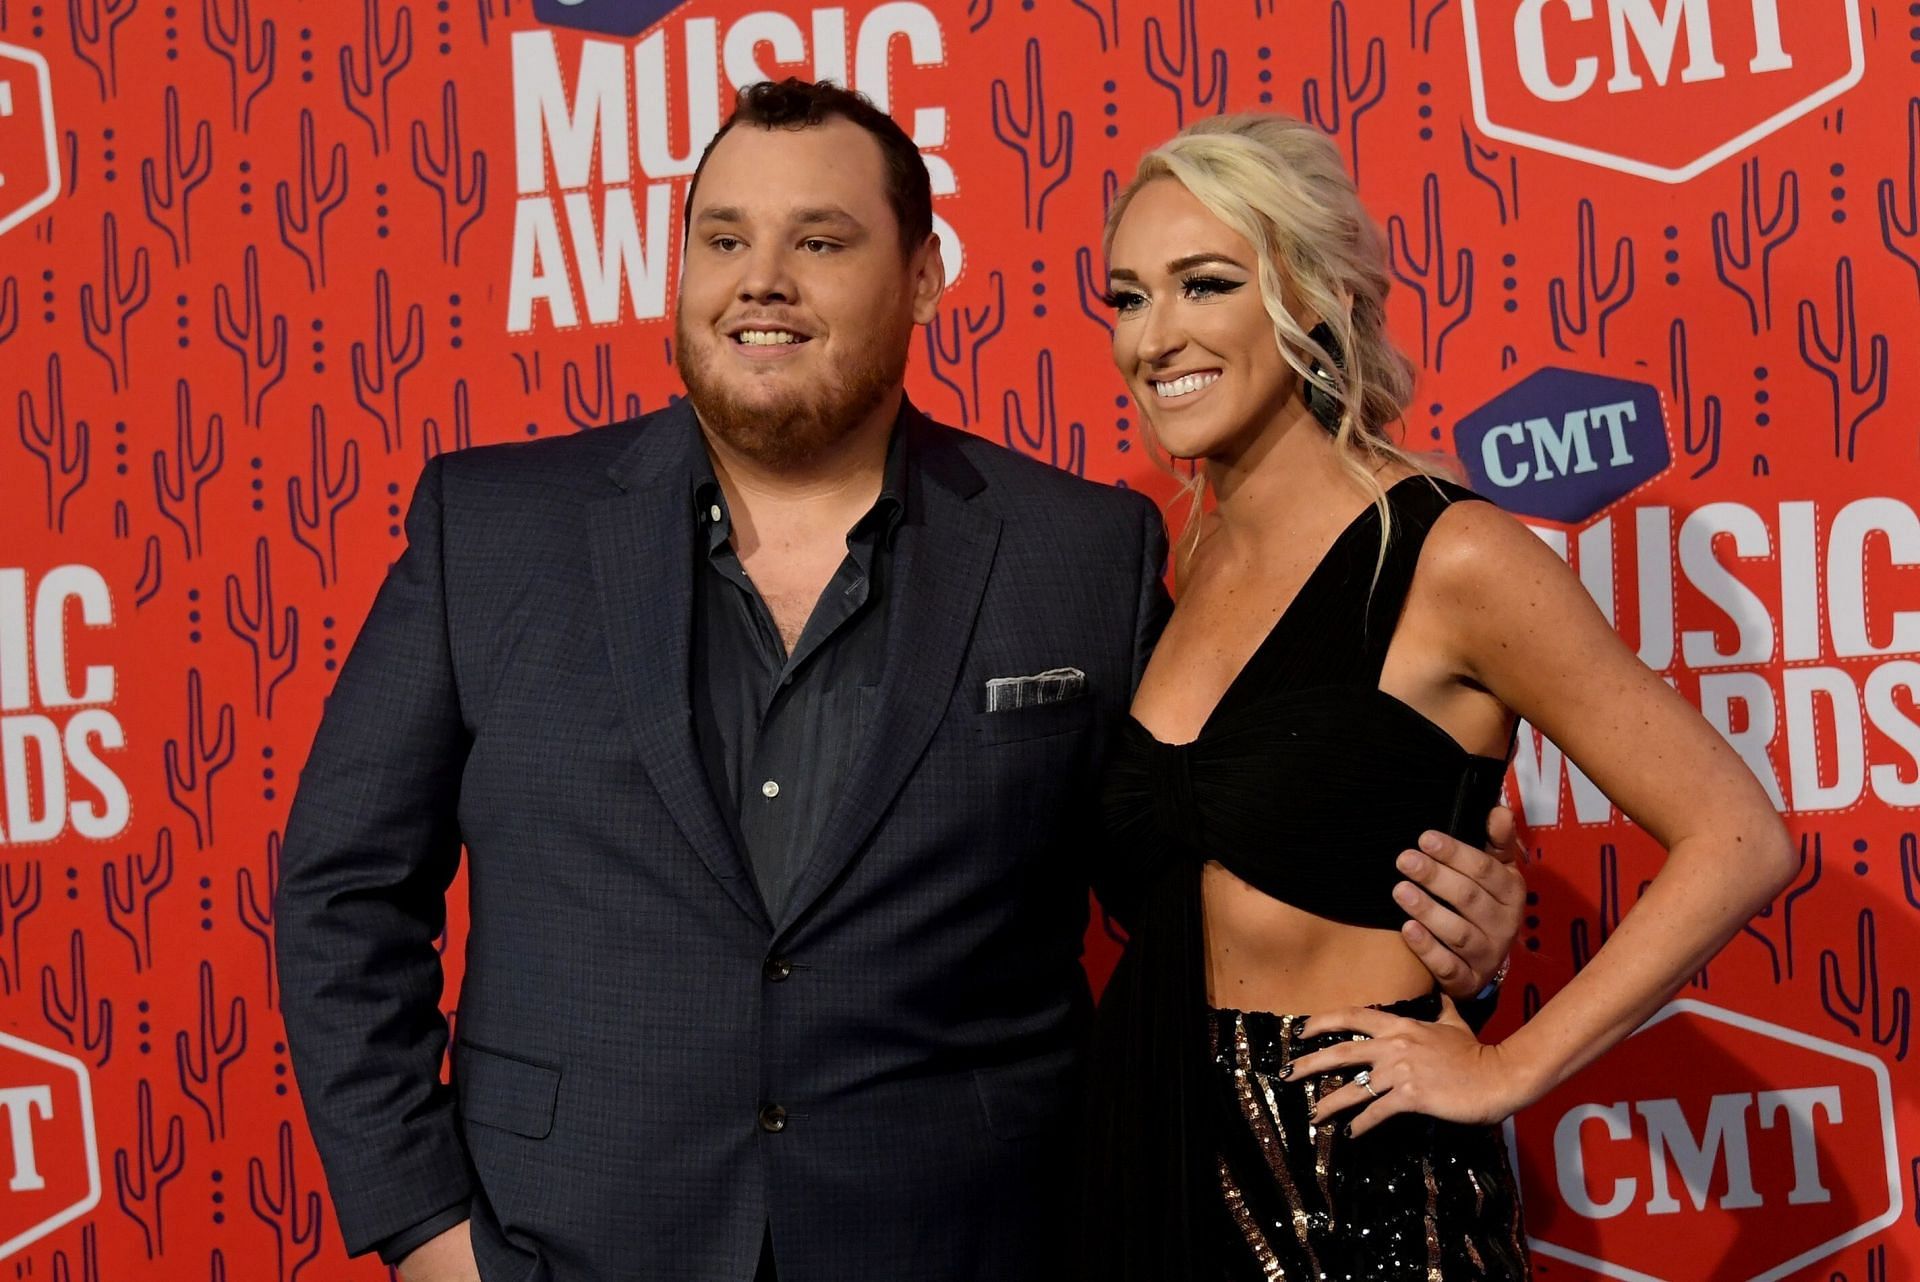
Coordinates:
x,y
1193,287
1209,286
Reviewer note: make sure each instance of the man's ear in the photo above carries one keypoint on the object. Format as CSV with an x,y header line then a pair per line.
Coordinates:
x,y
929,280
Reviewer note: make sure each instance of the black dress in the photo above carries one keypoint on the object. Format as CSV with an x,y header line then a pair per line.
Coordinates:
x,y
1306,782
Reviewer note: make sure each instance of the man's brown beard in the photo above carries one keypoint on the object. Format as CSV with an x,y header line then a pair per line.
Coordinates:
x,y
794,432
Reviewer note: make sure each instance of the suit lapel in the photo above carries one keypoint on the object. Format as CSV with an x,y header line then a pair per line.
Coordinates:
x,y
942,559
642,546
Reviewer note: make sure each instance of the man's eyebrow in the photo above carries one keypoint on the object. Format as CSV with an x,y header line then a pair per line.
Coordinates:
x,y
816,215
813,216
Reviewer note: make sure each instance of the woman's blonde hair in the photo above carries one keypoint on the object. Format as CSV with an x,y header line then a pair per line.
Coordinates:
x,y
1280,184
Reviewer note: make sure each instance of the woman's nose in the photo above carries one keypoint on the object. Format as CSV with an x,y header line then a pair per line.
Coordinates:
x,y
1160,333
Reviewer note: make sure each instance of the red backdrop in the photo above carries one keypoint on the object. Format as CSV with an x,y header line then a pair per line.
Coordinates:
x,y
1660,260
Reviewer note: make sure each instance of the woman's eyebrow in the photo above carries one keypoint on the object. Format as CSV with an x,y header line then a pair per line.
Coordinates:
x,y
1179,265
1198,260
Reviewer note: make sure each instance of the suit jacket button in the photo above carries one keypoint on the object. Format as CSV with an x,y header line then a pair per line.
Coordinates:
x,y
777,969
773,1119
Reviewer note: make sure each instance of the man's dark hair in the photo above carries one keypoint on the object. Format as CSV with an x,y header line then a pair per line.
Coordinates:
x,y
801,104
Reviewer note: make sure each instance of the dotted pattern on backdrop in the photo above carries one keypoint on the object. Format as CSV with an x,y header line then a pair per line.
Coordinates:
x,y
277,272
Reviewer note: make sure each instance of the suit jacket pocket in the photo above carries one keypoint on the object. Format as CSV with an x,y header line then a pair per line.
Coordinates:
x,y
1028,1096
1037,722
505,1091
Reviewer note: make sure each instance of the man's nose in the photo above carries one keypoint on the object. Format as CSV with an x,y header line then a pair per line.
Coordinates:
x,y
768,277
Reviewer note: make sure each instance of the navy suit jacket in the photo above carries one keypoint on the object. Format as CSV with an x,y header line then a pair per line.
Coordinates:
x,y
630,1013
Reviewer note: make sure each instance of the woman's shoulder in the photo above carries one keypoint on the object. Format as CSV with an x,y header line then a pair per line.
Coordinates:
x,y
1422,493
1476,553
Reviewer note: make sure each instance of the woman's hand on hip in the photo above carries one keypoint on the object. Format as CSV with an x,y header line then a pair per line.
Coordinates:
x,y
1436,1069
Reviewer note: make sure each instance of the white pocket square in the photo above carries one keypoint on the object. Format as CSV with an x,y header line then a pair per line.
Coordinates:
x,y
1056,685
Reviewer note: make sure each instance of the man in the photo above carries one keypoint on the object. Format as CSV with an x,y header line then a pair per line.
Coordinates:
x,y
769,723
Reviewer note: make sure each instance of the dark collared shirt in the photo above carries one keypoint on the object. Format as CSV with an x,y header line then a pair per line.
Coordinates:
x,y
778,731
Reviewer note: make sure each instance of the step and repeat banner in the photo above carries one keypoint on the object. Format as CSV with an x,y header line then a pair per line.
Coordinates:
x,y
1659,261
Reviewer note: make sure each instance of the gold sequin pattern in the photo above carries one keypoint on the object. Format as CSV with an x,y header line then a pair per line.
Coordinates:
x,y
1270,1267
1414,1200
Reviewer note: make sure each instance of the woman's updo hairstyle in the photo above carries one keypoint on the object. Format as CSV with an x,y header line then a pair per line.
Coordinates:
x,y
1280,183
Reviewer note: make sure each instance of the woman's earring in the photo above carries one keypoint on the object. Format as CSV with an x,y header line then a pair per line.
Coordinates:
x,y
1323,404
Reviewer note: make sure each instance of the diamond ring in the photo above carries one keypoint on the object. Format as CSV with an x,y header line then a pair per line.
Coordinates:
x,y
1364,1078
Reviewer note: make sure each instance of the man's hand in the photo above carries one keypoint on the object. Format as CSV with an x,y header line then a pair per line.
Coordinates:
x,y
447,1258
1463,945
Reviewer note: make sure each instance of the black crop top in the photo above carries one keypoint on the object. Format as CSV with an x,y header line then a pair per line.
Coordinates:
x,y
1306,782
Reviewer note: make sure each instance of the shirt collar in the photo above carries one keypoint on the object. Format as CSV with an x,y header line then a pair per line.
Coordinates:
x,y
881,522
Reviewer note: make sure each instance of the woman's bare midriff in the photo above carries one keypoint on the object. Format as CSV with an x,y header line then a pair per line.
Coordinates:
x,y
1263,954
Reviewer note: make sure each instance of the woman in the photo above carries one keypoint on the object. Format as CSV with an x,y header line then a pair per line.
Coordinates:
x,y
1353,643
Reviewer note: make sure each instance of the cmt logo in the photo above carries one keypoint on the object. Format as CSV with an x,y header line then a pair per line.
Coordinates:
x,y
608,17
49,1161
29,154
1721,1145
1664,89
1562,444
1710,1144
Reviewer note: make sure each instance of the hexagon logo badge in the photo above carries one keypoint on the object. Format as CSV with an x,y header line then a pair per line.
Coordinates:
x,y
29,151
605,17
1710,1145
49,1157
1664,89
1562,444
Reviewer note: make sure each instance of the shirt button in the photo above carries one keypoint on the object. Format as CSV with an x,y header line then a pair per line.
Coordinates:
x,y
777,969
773,1119
714,514
769,790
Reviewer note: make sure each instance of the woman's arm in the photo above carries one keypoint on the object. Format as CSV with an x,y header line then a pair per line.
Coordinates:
x,y
1524,628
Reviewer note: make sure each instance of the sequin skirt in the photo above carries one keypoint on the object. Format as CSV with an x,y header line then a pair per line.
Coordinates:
x,y
1414,1199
